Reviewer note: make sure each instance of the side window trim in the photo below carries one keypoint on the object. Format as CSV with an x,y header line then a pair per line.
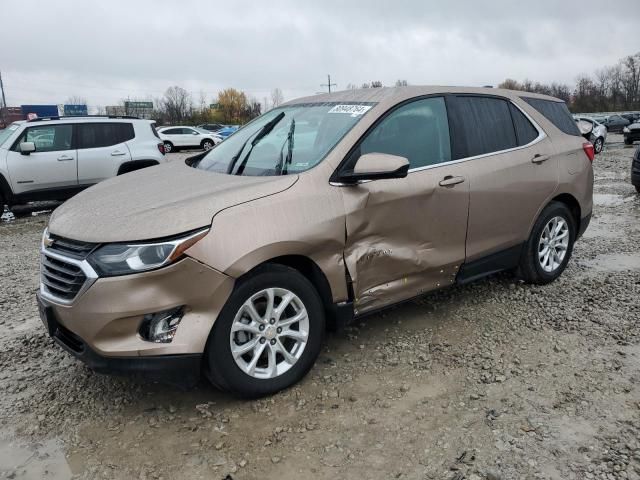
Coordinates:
x,y
541,136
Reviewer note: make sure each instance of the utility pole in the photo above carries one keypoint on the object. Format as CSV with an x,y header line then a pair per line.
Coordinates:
x,y
329,84
4,101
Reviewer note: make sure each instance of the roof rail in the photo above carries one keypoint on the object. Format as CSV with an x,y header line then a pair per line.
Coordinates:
x,y
59,117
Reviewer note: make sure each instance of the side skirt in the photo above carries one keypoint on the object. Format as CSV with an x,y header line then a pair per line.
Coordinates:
x,y
494,263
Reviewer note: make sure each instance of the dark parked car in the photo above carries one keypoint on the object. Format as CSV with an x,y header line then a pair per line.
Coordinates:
x,y
212,127
615,123
632,117
631,133
635,170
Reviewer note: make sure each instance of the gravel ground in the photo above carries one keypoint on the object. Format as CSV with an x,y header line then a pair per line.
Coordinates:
x,y
494,380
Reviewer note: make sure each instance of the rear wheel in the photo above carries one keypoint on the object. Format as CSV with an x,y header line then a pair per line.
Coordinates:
x,y
168,147
628,141
598,145
207,145
268,334
550,245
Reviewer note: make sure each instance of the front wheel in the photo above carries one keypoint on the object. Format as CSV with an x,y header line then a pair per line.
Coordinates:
x,y
550,245
207,145
268,335
598,145
628,141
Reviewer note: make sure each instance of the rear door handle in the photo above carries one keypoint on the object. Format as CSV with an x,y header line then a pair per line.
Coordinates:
x,y
450,180
65,158
537,158
117,153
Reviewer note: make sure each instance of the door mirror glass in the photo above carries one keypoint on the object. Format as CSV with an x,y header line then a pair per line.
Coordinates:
x,y
27,147
376,166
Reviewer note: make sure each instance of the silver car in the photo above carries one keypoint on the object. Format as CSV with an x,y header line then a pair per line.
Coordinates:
x,y
593,131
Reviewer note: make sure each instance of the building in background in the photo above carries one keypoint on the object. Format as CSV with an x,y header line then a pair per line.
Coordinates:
x,y
75,110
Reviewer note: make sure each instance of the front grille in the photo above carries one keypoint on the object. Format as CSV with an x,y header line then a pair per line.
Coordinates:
x,y
71,248
61,279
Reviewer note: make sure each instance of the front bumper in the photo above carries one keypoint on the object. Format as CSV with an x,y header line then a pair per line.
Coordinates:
x,y
179,370
105,319
632,136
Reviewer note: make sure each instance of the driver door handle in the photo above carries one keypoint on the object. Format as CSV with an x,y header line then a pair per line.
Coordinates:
x,y
450,180
117,153
537,158
65,158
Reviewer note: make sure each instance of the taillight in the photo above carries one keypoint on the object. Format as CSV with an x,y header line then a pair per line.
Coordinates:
x,y
161,148
588,149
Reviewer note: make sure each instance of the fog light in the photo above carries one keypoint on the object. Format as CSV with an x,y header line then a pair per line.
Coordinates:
x,y
160,327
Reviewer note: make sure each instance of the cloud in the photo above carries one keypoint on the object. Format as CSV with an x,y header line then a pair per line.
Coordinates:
x,y
110,50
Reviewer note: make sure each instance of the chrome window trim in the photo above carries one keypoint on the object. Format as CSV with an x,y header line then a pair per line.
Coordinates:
x,y
541,136
88,271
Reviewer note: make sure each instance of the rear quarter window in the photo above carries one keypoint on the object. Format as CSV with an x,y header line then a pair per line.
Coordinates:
x,y
556,112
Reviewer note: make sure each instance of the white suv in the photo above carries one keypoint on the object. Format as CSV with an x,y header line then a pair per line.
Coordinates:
x,y
187,137
54,158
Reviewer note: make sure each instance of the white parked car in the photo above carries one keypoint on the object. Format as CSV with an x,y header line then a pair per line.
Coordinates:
x,y
54,158
593,131
175,138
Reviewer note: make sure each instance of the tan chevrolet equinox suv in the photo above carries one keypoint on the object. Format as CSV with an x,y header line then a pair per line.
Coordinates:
x,y
322,210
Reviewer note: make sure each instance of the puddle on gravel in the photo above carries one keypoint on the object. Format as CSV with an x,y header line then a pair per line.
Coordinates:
x,y
615,262
40,460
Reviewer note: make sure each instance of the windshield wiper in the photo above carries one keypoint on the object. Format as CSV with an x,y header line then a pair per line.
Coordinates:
x,y
263,132
280,168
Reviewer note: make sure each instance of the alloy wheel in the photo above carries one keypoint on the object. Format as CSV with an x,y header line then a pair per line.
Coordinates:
x,y
553,244
269,333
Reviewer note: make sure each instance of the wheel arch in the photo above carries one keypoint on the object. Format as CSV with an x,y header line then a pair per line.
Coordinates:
x,y
134,165
572,203
5,191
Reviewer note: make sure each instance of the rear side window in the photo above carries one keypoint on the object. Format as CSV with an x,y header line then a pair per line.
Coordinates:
x,y
172,131
483,125
525,131
97,135
418,131
556,112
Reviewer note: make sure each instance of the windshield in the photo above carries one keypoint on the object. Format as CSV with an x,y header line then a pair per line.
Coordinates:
x,y
6,133
299,135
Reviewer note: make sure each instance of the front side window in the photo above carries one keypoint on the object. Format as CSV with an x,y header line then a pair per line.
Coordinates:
x,y
285,140
47,138
418,131
98,135
483,125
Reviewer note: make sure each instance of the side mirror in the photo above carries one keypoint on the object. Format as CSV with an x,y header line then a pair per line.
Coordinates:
x,y
376,166
196,133
27,147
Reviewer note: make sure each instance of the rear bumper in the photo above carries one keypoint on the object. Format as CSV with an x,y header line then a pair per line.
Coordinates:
x,y
181,370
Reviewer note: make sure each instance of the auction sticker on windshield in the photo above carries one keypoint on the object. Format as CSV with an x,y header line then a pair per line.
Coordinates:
x,y
353,110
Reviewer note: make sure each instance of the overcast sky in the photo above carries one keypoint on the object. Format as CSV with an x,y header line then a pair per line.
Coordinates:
x,y
109,50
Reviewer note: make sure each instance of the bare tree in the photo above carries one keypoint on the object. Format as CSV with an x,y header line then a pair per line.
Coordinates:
x,y
176,104
401,83
351,86
376,84
76,100
276,97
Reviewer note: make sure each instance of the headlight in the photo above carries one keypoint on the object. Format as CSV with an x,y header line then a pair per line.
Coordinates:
x,y
625,129
124,258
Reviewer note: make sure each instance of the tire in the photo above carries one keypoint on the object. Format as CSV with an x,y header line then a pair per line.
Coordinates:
x,y
598,145
168,147
235,373
532,268
207,145
628,141
637,188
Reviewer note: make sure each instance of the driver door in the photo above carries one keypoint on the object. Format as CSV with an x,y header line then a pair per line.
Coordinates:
x,y
407,236
54,164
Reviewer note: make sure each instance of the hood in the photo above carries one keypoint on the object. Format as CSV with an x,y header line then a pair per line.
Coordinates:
x,y
157,202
